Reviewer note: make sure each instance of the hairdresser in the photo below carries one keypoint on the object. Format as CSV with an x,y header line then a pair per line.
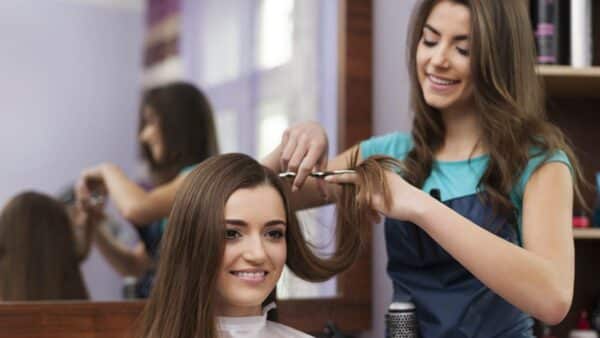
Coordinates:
x,y
478,233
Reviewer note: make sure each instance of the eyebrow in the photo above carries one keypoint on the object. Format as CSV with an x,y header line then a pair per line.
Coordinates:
x,y
456,38
240,222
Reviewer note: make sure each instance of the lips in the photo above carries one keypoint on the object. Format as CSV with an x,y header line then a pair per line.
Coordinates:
x,y
441,81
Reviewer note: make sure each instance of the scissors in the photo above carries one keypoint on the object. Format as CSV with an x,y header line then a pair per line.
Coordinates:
x,y
319,174
96,199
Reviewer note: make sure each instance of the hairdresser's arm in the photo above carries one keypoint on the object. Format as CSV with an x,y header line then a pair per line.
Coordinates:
x,y
86,218
303,149
84,234
537,278
135,204
127,261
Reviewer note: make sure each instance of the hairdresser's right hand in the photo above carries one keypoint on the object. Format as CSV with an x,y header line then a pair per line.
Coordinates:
x,y
91,190
93,208
303,149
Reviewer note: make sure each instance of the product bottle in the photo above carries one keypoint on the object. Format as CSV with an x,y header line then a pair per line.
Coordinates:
x,y
583,329
595,316
547,332
547,31
596,216
129,287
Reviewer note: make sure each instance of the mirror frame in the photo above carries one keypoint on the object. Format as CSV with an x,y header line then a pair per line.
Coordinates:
x,y
351,310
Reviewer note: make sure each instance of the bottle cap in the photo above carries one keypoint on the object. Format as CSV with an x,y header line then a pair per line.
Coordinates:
x,y
402,306
583,323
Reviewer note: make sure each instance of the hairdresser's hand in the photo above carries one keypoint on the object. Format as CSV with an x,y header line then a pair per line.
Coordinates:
x,y
87,217
90,195
404,196
90,187
303,150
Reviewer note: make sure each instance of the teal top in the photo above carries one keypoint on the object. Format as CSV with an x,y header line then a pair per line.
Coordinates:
x,y
458,178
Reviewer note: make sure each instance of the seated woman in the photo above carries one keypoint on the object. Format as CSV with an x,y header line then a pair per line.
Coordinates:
x,y
230,233
39,259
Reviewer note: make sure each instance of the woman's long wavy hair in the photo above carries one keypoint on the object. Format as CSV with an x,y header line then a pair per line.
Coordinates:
x,y
186,122
38,258
508,95
183,297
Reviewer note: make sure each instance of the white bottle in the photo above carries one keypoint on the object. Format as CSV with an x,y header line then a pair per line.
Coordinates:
x,y
581,33
583,334
583,329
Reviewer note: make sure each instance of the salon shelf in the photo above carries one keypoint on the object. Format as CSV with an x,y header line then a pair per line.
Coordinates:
x,y
570,82
593,233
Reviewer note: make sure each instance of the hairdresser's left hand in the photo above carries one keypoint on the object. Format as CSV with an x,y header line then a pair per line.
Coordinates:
x,y
404,196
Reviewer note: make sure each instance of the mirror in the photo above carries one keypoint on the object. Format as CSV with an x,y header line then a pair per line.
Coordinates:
x,y
73,72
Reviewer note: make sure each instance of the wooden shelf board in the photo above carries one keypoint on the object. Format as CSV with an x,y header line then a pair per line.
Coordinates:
x,y
591,233
569,82
567,71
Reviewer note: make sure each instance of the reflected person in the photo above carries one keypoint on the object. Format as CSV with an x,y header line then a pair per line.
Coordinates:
x,y
39,256
176,133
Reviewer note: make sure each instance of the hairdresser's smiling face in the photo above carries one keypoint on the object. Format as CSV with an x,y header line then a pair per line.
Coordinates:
x,y
443,62
255,250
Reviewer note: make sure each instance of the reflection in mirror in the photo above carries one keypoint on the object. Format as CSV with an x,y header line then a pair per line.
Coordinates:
x,y
38,251
74,70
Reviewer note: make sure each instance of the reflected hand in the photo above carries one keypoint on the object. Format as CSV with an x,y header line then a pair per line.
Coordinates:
x,y
303,150
91,191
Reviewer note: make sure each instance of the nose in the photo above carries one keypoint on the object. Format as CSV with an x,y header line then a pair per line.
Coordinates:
x,y
144,134
254,250
440,57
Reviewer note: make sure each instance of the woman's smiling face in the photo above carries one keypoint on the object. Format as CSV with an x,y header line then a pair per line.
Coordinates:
x,y
255,250
443,62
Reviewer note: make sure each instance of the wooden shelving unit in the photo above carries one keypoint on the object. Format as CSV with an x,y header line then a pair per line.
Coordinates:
x,y
574,106
569,82
592,233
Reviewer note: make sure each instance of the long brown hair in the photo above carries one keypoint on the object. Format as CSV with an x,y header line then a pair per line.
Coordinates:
x,y
186,122
181,303
38,259
508,95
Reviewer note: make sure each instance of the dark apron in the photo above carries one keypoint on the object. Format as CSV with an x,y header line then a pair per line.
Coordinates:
x,y
450,301
150,235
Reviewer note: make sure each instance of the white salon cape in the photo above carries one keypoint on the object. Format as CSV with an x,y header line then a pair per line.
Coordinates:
x,y
256,327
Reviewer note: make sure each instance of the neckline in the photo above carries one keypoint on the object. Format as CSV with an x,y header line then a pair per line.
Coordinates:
x,y
253,323
465,161
246,323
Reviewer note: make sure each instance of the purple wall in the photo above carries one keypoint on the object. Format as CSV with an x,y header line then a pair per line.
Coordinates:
x,y
69,91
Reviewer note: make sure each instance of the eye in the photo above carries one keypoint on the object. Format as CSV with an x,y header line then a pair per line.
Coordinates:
x,y
462,51
276,234
232,234
429,43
